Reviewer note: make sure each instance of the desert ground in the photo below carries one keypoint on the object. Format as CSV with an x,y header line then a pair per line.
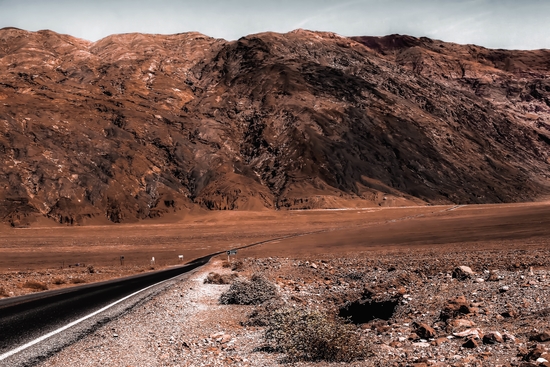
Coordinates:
x,y
320,261
48,253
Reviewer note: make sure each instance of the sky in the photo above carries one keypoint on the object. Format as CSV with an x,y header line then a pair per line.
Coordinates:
x,y
510,24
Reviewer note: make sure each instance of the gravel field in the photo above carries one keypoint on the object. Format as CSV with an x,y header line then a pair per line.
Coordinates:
x,y
491,312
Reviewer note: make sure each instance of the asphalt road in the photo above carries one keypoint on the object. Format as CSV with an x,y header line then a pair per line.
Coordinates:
x,y
27,318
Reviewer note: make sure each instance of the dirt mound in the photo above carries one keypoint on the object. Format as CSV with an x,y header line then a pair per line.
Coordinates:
x,y
139,126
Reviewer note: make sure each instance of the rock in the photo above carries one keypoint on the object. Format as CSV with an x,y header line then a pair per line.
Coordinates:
x,y
421,345
455,307
461,323
463,272
493,337
504,289
413,337
471,342
314,266
469,333
541,360
510,314
540,337
396,344
480,280
440,341
534,354
424,331
508,337
225,339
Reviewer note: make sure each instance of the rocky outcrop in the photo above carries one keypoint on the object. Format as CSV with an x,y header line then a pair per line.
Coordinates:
x,y
136,126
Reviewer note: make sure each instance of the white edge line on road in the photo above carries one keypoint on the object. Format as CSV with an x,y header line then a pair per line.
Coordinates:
x,y
44,337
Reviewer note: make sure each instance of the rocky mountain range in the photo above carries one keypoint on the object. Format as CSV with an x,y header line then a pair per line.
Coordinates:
x,y
138,126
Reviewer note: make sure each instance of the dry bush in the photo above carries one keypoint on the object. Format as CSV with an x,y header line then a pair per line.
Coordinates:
x,y
305,335
31,284
3,292
245,292
58,281
237,265
215,278
78,281
262,314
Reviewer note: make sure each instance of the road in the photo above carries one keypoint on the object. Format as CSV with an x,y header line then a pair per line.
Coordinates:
x,y
24,321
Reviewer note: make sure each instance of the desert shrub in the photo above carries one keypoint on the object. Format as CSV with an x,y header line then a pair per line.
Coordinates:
x,y
58,281
216,278
237,265
77,281
262,314
3,292
249,292
31,284
305,335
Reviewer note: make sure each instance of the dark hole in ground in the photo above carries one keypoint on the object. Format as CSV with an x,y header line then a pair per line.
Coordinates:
x,y
362,311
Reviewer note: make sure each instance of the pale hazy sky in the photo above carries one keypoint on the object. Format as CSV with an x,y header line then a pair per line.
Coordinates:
x,y
513,24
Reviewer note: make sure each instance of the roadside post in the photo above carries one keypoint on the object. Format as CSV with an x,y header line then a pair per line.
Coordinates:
x,y
153,261
230,253
180,257
121,260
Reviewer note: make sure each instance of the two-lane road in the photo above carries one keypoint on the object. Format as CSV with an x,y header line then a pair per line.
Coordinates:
x,y
28,320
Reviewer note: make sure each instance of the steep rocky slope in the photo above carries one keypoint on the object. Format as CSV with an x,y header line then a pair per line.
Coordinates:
x,y
136,126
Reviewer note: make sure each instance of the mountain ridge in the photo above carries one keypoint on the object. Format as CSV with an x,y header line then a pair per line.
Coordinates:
x,y
137,126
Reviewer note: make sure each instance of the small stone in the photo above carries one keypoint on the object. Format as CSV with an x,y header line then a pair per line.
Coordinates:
x,y
471,342
480,280
440,341
422,345
510,314
314,266
225,339
459,323
463,272
424,331
469,333
508,337
504,289
396,344
541,337
534,354
541,360
492,337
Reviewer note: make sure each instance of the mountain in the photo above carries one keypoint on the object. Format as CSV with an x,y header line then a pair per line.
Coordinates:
x,y
138,126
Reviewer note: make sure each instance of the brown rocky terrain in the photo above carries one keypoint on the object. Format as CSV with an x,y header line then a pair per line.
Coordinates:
x,y
138,126
410,308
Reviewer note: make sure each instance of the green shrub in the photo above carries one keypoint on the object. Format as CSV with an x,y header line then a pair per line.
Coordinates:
x,y
305,335
253,292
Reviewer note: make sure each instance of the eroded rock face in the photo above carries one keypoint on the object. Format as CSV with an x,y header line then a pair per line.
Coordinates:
x,y
137,126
